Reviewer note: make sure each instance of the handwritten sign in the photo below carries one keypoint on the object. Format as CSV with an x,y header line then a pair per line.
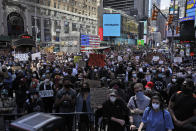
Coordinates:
x,y
21,57
46,93
155,58
36,55
177,59
98,96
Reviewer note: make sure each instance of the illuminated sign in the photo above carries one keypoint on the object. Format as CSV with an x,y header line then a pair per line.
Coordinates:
x,y
111,24
190,8
26,37
187,18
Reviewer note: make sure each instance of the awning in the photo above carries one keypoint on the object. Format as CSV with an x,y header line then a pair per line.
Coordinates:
x,y
24,42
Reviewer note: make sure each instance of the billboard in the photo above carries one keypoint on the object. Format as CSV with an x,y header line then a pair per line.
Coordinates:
x,y
190,9
111,24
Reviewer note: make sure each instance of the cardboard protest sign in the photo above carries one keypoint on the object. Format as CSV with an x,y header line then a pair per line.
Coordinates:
x,y
98,96
21,57
16,68
97,60
177,59
51,57
82,64
36,55
77,59
93,83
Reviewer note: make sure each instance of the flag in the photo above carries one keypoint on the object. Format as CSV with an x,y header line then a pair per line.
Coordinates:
x,y
89,42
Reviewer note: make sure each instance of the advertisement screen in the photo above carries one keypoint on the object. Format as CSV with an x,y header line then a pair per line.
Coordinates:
x,y
111,24
190,8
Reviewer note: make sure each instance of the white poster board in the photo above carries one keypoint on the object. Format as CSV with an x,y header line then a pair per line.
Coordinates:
x,y
155,58
137,57
36,55
21,57
177,59
120,58
46,93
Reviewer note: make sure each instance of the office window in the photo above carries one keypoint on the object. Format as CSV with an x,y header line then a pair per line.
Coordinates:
x,y
54,4
74,28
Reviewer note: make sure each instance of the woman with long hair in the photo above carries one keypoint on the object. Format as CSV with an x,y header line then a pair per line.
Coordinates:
x,y
156,117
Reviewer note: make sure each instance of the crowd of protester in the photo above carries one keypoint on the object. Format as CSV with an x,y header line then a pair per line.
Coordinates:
x,y
144,95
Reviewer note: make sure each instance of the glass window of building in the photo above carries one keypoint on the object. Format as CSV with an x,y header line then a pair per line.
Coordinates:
x,y
54,4
66,27
74,28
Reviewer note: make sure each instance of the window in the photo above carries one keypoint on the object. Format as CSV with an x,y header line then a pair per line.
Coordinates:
x,y
54,4
74,28
66,27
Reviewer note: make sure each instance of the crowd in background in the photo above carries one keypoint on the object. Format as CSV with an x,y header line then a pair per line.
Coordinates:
x,y
144,95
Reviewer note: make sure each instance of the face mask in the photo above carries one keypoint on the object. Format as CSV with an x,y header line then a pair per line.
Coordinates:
x,y
155,106
189,72
140,70
134,75
112,99
173,80
140,95
148,77
160,75
34,75
154,71
1,83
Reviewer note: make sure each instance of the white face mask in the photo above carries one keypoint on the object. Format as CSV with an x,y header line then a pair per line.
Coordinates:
x,y
173,80
155,106
112,99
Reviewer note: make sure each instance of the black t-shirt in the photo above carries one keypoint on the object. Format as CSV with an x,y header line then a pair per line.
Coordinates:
x,y
184,105
118,110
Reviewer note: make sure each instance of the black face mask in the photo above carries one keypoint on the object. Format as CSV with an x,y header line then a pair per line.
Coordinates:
x,y
85,89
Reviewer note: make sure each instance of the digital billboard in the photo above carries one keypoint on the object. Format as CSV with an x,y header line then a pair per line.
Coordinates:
x,y
111,24
190,9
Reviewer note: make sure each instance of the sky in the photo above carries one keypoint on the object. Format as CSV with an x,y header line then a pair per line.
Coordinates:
x,y
165,3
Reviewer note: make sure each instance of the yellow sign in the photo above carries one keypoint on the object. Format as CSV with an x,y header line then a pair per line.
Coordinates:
x,y
77,59
190,4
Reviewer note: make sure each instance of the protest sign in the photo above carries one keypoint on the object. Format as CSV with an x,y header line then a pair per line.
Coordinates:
x,y
155,58
77,59
46,93
36,55
51,57
177,59
21,57
119,59
93,83
137,57
16,68
97,60
98,96
82,64
160,62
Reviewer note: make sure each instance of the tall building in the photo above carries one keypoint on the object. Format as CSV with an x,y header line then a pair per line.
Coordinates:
x,y
124,5
49,21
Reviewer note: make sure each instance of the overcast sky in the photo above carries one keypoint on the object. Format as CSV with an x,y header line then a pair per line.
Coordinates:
x,y
165,3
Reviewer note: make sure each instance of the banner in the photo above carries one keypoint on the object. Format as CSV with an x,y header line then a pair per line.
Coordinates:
x,y
97,60
36,55
21,57
77,59
155,58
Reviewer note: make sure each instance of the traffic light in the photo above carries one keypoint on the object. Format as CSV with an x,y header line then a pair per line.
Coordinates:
x,y
177,30
170,20
154,14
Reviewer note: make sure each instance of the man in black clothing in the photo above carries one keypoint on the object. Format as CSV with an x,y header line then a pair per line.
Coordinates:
x,y
116,112
182,107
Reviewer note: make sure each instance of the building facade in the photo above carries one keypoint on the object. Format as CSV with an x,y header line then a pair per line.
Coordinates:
x,y
123,5
49,21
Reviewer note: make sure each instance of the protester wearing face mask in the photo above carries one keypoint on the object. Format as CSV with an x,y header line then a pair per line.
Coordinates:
x,y
155,117
65,100
46,92
83,105
34,103
116,112
137,104
182,107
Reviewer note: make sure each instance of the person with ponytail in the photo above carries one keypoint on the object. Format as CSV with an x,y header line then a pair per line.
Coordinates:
x,y
156,117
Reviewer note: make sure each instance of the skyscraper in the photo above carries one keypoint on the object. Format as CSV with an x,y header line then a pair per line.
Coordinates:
x,y
124,5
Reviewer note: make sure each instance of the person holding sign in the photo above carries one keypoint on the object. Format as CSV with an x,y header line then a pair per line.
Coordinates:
x,y
46,92
65,100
